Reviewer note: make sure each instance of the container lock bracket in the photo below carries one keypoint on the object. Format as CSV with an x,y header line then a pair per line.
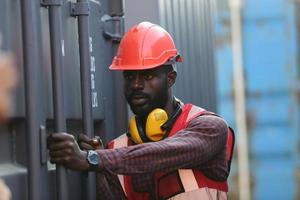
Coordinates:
x,y
113,27
79,8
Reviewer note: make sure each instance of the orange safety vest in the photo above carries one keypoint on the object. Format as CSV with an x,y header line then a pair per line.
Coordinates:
x,y
182,184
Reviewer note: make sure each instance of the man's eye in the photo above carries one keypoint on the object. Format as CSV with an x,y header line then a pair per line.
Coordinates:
x,y
148,76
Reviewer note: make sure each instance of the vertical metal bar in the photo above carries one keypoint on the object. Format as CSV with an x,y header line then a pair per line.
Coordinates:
x,y
203,12
58,93
200,50
203,38
191,23
162,13
236,7
173,19
213,99
85,74
89,180
182,27
32,83
210,51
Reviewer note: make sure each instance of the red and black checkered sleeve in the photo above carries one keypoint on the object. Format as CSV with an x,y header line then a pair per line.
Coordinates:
x,y
202,144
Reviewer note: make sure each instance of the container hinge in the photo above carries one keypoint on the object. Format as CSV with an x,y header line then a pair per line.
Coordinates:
x,y
113,27
79,8
46,3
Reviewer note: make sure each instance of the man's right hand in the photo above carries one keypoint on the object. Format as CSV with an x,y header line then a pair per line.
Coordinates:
x,y
87,143
64,150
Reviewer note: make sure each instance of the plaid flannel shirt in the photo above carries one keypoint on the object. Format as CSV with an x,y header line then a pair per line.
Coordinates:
x,y
202,145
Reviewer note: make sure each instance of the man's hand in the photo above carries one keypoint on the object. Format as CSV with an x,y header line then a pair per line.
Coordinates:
x,y
87,143
64,150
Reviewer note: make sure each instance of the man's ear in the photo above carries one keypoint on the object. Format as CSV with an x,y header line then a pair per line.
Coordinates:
x,y
171,78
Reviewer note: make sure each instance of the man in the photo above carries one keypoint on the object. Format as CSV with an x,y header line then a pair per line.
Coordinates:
x,y
172,150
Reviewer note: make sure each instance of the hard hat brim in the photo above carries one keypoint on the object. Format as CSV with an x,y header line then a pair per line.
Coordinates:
x,y
119,67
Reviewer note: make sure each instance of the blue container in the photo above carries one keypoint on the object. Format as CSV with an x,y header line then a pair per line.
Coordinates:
x,y
272,93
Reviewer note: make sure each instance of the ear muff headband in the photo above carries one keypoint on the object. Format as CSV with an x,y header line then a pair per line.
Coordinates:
x,y
157,125
171,121
142,134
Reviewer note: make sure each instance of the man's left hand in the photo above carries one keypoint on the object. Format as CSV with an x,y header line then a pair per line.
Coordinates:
x,y
87,143
64,150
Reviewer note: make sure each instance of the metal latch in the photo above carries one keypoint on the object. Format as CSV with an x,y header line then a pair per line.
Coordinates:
x,y
113,27
79,8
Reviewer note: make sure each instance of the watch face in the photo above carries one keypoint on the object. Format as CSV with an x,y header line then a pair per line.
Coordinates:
x,y
93,158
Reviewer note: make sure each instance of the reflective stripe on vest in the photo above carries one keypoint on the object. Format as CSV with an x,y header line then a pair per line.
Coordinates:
x,y
187,176
195,111
201,193
121,141
188,179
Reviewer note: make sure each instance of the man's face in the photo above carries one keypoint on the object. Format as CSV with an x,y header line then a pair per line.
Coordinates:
x,y
146,90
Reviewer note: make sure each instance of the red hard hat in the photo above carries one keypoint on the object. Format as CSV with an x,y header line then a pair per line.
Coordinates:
x,y
145,46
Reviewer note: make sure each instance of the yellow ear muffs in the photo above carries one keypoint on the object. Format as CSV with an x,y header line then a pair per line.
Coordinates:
x,y
133,130
154,122
153,129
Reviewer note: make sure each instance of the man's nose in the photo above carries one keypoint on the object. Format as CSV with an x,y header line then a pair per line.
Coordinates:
x,y
137,82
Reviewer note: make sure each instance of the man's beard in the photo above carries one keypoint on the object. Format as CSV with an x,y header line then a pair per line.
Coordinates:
x,y
159,100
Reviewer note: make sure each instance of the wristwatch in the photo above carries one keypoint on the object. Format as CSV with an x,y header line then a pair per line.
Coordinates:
x,y
93,159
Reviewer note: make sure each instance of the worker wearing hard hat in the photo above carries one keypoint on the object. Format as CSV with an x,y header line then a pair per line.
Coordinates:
x,y
172,150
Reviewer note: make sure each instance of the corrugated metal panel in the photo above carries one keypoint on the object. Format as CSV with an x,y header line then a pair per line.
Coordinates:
x,y
138,11
190,23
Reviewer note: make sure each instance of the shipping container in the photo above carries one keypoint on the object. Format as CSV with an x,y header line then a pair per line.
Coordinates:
x,y
62,51
271,72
